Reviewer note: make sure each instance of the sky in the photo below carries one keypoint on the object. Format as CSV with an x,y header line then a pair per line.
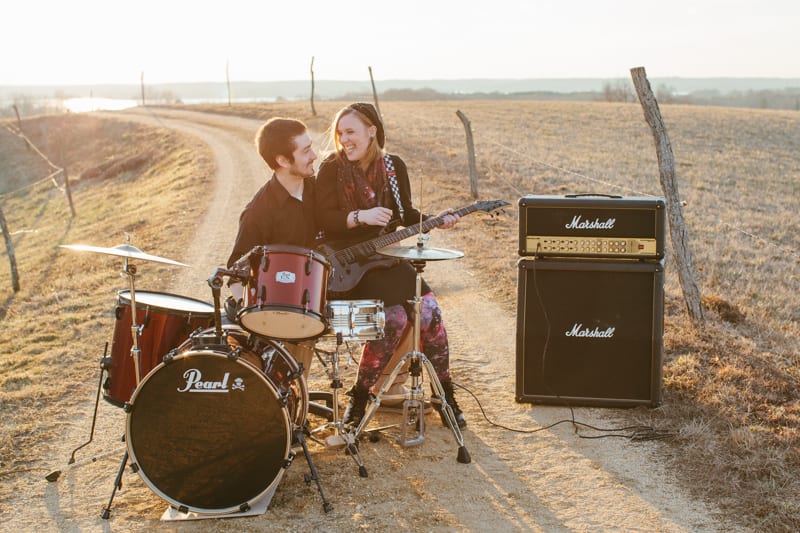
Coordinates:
x,y
47,42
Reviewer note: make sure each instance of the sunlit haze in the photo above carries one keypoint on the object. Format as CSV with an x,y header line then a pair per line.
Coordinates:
x,y
93,41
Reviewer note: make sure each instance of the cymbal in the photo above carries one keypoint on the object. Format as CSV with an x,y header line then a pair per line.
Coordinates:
x,y
123,250
420,253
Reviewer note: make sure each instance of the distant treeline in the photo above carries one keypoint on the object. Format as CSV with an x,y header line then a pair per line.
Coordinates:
x,y
618,91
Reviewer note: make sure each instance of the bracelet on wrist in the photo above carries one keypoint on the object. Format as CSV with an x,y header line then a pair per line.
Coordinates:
x,y
355,218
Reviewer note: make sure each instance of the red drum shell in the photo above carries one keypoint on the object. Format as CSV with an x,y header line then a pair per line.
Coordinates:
x,y
167,321
285,293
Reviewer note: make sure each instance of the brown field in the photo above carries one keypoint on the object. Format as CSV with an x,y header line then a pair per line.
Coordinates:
x,y
731,389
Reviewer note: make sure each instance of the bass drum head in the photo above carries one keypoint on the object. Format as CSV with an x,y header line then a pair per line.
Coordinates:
x,y
208,433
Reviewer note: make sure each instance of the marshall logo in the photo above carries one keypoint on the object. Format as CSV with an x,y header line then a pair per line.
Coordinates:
x,y
579,331
577,223
195,383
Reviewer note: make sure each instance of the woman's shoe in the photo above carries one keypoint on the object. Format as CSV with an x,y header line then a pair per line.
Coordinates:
x,y
356,406
451,401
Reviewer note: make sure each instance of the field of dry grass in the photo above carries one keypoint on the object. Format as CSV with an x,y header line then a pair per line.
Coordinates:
x,y
731,390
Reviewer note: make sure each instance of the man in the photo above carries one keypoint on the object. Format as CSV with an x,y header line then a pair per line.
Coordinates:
x,y
282,211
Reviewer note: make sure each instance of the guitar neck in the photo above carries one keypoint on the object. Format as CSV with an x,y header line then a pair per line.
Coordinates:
x,y
367,248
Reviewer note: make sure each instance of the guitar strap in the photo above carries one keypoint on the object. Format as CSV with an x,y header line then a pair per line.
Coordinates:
x,y
392,175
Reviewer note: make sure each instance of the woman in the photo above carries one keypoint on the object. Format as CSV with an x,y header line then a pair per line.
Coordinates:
x,y
361,189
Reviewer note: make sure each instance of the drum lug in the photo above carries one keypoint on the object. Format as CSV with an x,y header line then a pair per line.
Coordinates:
x,y
135,468
263,294
244,507
170,355
265,262
309,264
105,363
288,461
235,353
306,298
127,407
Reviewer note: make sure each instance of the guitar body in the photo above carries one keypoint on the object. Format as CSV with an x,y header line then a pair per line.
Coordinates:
x,y
349,264
346,275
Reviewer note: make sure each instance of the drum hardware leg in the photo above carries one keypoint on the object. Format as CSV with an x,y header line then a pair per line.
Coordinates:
x,y
300,438
104,363
117,485
413,412
341,435
215,282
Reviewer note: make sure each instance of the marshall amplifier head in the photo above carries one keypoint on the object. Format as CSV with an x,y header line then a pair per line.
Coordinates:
x,y
592,226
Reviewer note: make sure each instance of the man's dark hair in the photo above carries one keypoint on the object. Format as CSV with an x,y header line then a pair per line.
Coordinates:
x,y
276,137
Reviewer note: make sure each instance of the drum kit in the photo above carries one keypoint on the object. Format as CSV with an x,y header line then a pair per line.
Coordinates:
x,y
230,396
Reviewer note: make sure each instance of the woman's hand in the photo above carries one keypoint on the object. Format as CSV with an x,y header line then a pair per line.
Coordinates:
x,y
377,216
450,218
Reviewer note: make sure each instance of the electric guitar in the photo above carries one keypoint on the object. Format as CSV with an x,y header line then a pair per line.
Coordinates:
x,y
348,265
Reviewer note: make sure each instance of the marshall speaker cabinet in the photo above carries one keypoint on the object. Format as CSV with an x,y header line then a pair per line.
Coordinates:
x,y
599,226
590,332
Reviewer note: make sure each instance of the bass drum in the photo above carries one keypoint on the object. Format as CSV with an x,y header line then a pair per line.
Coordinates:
x,y
269,355
208,433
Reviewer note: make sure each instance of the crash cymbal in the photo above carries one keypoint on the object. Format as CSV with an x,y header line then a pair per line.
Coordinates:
x,y
420,253
123,250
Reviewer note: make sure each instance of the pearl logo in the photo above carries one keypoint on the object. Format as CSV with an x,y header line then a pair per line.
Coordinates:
x,y
285,277
195,383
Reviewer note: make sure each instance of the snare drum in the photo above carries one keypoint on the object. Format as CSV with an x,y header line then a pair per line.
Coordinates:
x,y
209,433
356,319
285,293
166,320
269,355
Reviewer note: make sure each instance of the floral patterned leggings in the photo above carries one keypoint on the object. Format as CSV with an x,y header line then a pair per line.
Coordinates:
x,y
433,338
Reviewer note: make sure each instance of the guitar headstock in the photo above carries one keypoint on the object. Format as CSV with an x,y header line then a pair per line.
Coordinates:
x,y
490,206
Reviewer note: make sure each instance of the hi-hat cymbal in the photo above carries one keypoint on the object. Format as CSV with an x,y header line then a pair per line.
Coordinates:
x,y
123,250
420,253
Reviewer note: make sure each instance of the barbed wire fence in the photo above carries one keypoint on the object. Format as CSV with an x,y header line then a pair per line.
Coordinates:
x,y
51,177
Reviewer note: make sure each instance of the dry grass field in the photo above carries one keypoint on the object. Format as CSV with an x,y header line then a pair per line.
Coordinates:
x,y
731,388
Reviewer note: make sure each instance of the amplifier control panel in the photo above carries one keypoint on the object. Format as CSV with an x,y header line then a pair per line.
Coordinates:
x,y
590,246
594,226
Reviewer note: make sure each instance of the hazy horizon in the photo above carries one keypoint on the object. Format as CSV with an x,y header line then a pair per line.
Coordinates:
x,y
88,42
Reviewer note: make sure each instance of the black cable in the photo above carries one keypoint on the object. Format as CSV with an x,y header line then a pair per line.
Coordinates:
x,y
637,432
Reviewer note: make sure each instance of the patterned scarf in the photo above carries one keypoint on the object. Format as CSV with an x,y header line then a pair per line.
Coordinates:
x,y
363,190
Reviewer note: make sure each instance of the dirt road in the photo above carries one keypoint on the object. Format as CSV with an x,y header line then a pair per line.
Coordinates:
x,y
549,480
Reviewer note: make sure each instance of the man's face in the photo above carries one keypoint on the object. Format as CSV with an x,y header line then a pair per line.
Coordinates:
x,y
304,157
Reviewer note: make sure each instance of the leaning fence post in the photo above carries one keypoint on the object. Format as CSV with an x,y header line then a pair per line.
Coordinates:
x,y
374,93
10,247
313,109
473,169
19,125
68,191
666,172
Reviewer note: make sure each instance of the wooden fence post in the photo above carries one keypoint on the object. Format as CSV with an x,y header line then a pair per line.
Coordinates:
x,y
666,171
375,93
19,125
10,247
473,169
313,109
68,191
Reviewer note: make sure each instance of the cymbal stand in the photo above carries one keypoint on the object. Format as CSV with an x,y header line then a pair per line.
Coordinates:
x,y
341,433
413,427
